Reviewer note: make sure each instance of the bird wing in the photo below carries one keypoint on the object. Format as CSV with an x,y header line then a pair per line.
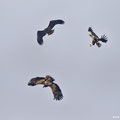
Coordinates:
x,y
56,91
40,35
93,42
103,38
55,22
36,81
41,80
93,35
98,44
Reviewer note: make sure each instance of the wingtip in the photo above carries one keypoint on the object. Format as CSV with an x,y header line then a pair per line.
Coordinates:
x,y
62,22
40,43
58,98
90,29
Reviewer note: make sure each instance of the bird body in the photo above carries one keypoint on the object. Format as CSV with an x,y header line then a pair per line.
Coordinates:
x,y
47,82
96,39
49,30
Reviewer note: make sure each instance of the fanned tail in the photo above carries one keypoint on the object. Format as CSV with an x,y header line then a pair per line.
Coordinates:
x,y
103,38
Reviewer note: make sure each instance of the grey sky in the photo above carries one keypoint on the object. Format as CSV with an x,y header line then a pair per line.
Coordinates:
x,y
88,76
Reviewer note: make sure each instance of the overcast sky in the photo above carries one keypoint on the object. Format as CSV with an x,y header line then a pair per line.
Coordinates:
x,y
89,77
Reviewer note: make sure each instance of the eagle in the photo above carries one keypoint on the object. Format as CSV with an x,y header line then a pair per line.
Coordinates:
x,y
49,30
96,39
47,81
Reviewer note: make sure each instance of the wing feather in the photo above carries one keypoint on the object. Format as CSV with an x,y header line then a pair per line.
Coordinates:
x,y
98,44
55,22
40,81
40,35
93,35
56,91
36,81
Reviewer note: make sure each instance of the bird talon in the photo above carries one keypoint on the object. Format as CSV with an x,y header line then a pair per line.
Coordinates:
x,y
90,45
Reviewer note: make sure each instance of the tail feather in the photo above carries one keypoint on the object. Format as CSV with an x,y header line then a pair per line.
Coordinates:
x,y
103,39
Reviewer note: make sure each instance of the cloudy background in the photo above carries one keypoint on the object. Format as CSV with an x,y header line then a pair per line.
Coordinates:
x,y
88,76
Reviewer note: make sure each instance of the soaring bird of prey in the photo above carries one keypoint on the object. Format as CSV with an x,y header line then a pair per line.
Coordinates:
x,y
96,39
49,30
47,81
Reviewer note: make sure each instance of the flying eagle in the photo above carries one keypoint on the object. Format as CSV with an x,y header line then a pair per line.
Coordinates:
x,y
96,39
49,30
47,81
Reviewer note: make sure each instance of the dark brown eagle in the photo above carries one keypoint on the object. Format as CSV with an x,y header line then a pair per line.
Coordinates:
x,y
47,81
49,30
96,39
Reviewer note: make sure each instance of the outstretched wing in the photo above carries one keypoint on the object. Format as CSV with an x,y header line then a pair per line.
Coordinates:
x,y
93,35
98,44
56,91
103,38
40,35
93,42
36,81
55,22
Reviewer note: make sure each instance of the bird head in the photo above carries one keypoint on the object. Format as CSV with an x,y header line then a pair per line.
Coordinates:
x,y
48,77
